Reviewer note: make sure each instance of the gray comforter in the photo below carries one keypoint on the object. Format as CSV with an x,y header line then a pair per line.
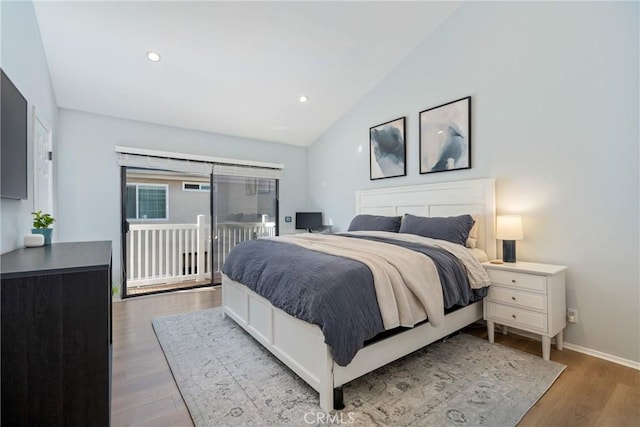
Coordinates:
x,y
335,293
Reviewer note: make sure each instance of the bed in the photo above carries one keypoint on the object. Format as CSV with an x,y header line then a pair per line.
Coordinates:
x,y
301,345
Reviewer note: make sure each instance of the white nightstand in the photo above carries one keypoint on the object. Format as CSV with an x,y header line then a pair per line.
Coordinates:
x,y
527,296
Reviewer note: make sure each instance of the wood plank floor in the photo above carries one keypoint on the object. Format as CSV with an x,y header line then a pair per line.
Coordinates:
x,y
590,392
144,392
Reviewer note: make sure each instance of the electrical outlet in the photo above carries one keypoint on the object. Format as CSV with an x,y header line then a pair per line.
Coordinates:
x,y
572,315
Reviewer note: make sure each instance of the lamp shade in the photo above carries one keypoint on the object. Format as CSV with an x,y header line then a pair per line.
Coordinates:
x,y
509,227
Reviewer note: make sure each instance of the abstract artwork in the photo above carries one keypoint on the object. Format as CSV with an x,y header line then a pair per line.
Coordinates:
x,y
387,150
445,137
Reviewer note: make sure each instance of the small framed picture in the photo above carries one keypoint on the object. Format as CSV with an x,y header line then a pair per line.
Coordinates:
x,y
445,137
387,150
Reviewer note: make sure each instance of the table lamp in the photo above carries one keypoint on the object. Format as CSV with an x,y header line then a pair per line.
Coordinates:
x,y
509,229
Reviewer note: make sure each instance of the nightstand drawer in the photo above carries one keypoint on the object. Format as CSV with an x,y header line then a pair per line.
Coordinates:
x,y
521,299
519,280
511,315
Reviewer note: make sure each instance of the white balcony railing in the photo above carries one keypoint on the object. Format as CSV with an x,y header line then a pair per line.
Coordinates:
x,y
171,253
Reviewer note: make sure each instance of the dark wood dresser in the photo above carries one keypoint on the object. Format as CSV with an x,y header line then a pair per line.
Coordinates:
x,y
56,335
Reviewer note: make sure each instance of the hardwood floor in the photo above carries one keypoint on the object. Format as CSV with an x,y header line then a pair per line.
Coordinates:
x,y
590,392
144,392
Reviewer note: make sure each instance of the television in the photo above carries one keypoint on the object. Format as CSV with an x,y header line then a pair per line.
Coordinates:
x,y
13,141
308,221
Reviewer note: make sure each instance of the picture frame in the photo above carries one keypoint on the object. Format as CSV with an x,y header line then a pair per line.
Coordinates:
x,y
388,149
445,137
250,187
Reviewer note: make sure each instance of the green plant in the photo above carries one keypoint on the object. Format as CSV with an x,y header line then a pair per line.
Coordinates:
x,y
41,220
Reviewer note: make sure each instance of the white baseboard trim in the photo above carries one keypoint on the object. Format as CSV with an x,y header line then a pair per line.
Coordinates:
x,y
600,355
595,353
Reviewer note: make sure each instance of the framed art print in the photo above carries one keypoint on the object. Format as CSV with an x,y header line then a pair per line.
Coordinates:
x,y
387,150
445,137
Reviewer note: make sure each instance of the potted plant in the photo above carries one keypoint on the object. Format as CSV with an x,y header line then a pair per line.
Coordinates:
x,y
41,223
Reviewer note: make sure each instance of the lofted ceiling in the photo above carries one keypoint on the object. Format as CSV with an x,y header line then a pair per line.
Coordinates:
x,y
235,68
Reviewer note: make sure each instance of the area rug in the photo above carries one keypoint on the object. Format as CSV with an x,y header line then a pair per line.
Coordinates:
x,y
228,379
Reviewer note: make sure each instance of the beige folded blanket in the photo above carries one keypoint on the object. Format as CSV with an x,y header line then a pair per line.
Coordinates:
x,y
407,283
477,275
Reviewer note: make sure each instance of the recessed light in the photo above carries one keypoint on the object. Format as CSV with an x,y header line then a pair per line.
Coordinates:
x,y
304,98
153,56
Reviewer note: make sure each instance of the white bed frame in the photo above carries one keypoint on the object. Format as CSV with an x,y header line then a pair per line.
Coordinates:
x,y
300,345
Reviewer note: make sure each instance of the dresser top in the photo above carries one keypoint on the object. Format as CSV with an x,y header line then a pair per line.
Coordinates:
x,y
527,267
55,258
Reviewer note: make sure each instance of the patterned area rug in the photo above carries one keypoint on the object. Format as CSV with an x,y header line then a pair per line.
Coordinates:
x,y
228,379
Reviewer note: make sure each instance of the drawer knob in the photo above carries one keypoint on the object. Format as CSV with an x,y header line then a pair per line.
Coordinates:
x,y
513,315
513,280
513,298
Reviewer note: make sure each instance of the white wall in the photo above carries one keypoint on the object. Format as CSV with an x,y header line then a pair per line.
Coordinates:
x,y
555,120
89,182
24,61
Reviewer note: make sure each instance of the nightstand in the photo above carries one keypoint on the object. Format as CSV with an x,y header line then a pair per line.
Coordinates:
x,y
527,296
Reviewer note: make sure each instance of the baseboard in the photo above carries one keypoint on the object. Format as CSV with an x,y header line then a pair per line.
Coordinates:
x,y
600,355
574,347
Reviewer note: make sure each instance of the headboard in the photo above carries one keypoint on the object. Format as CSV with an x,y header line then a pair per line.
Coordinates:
x,y
442,199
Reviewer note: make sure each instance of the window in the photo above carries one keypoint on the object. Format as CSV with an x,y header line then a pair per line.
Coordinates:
x,y
147,201
196,186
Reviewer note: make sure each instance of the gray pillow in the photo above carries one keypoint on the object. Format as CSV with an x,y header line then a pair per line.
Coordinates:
x,y
375,223
454,229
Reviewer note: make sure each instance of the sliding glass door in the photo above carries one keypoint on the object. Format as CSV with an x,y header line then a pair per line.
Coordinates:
x,y
167,234
181,217
168,241
244,208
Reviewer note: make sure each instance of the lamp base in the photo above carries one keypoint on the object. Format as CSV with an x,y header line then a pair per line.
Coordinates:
x,y
509,250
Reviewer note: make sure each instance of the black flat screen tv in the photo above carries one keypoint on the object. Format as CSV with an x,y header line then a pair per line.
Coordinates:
x,y
308,220
13,141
